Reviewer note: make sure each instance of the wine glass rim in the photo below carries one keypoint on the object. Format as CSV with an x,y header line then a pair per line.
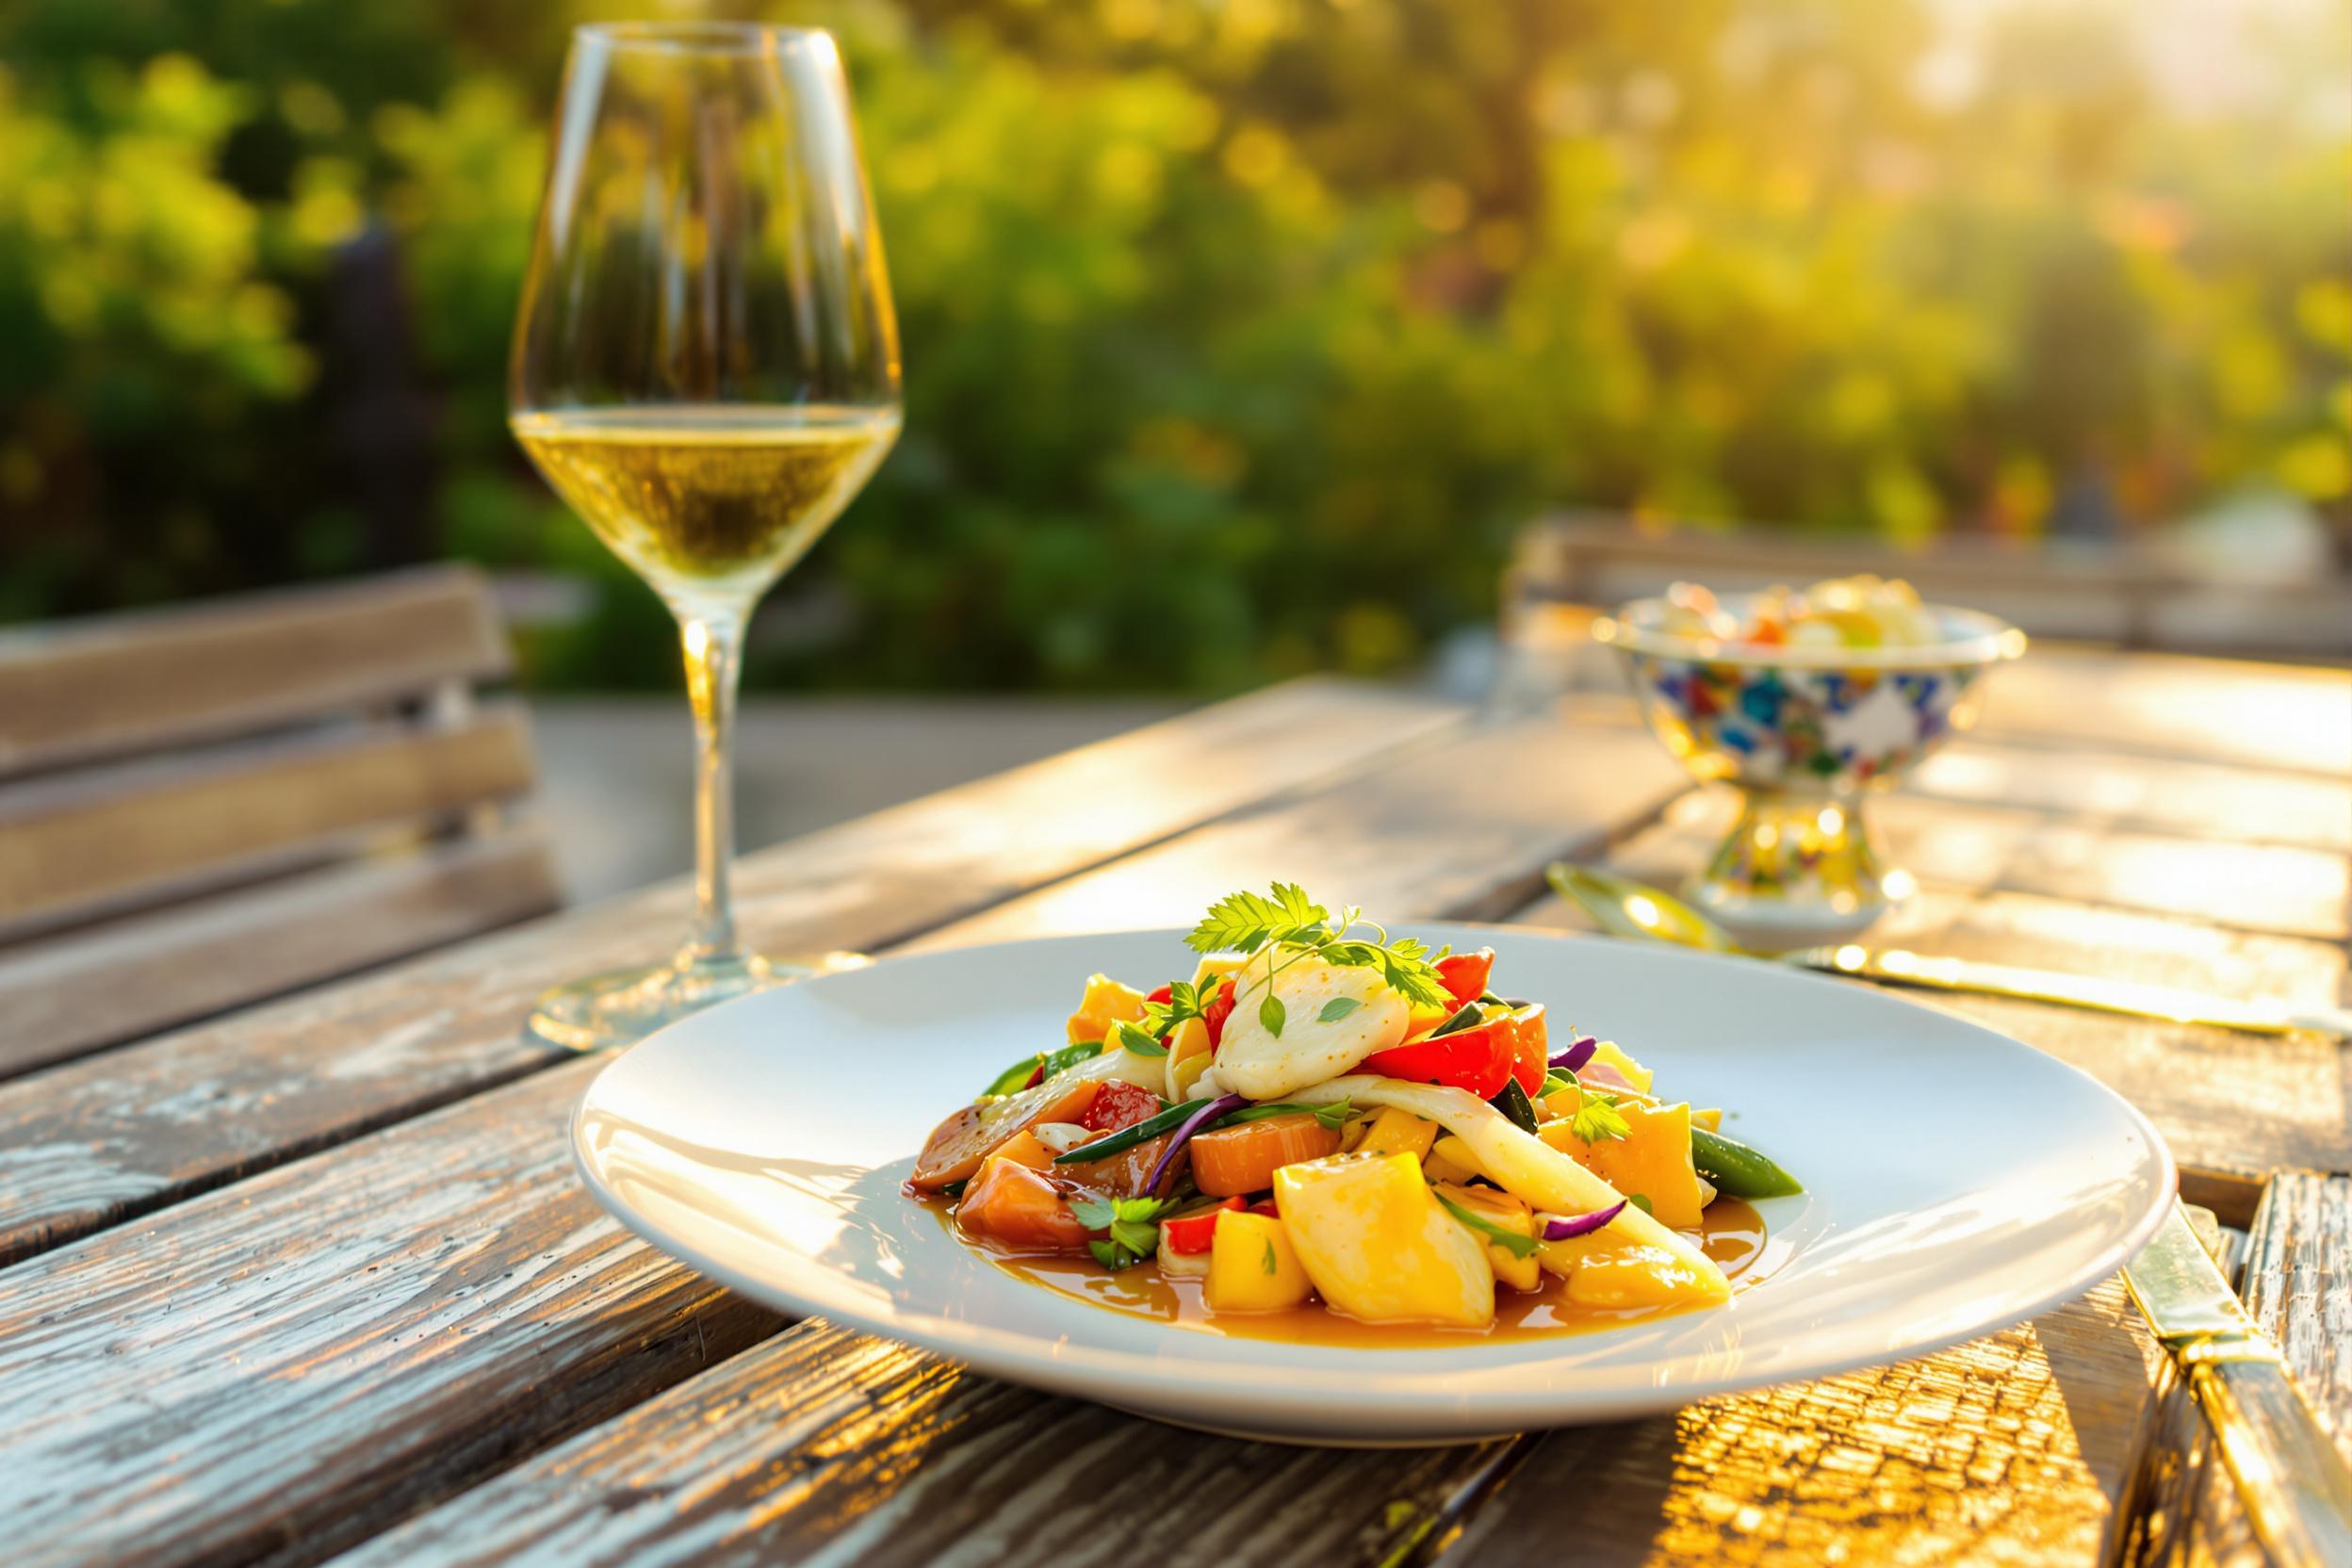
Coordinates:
x,y
700,37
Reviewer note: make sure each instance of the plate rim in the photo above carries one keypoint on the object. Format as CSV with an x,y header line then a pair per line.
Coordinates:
x,y
1060,1364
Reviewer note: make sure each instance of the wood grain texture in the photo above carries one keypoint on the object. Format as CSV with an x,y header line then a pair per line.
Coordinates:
x,y
2157,794
2224,710
2016,1448
78,846
74,992
89,1143
827,1447
111,686
2226,1103
2285,890
280,1369
1464,829
297,1325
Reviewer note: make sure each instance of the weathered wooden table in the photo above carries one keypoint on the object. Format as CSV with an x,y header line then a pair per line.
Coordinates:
x,y
316,1279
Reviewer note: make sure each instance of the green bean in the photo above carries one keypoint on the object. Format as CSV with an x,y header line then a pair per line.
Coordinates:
x,y
1736,1169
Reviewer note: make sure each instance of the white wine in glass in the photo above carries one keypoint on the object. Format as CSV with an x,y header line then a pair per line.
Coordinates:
x,y
705,368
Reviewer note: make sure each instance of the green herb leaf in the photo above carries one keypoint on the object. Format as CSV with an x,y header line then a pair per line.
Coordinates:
x,y
1511,1241
1270,1265
1094,1211
1272,1014
1244,921
1336,1009
1641,1201
1556,1080
1597,1119
1247,922
1133,1224
1140,1043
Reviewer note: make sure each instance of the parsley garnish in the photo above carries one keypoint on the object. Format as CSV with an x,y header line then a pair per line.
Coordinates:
x,y
1555,1081
1270,1265
1247,924
1511,1241
1186,1001
1641,1201
1140,1043
1133,1224
1597,1119
1336,1009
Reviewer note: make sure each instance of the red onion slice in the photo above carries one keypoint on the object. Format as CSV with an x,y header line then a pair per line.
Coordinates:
x,y
1583,1224
1576,1055
1210,1110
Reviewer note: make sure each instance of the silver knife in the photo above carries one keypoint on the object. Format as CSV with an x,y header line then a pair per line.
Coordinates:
x,y
1896,966
2295,1486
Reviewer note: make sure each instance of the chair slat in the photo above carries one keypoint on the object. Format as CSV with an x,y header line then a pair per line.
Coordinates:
x,y
85,990
125,684
71,853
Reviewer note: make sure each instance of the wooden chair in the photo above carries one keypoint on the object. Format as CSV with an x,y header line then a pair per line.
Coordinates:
x,y
203,807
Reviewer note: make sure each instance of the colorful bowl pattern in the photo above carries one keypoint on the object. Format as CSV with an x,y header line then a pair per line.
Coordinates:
x,y
1808,733
1825,732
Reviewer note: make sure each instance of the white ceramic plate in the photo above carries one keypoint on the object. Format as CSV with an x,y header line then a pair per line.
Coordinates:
x,y
1959,1181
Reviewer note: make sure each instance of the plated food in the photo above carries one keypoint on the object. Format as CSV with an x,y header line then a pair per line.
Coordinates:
x,y
1861,611
1326,1128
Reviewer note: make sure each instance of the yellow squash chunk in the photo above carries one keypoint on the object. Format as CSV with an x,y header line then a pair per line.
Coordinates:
x,y
1251,1266
1396,1132
1106,1001
1214,968
1530,1169
1632,1071
1502,1210
1711,1118
1188,1056
1378,1246
1653,1159
1603,1270
1450,1160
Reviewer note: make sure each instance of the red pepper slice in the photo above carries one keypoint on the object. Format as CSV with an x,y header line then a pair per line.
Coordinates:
x,y
1191,1234
1464,974
1533,1043
1481,1059
1219,1009
1165,993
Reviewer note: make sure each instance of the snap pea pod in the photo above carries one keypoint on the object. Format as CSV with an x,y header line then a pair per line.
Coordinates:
x,y
1736,1169
1126,1139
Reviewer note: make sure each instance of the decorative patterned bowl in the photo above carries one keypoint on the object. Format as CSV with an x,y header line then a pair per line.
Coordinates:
x,y
1807,733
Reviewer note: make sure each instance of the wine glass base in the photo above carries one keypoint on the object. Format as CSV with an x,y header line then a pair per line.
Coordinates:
x,y
625,1005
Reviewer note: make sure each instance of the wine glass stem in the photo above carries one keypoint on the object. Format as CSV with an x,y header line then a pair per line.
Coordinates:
x,y
714,648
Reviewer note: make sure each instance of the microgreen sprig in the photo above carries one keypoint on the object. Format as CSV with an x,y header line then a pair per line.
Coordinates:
x,y
1299,928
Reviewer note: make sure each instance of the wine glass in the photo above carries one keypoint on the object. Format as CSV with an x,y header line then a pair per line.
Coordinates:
x,y
705,368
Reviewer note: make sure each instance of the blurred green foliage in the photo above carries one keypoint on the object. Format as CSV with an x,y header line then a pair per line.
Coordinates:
x,y
1240,333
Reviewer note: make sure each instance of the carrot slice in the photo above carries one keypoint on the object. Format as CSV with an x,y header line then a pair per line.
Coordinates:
x,y
1241,1159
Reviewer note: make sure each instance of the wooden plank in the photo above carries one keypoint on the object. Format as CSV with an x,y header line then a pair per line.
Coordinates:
x,y
2207,710
364,1351
73,847
87,989
2295,1285
88,1144
276,1371
823,1444
2233,1105
2018,1448
2159,794
80,691
1464,829
2270,888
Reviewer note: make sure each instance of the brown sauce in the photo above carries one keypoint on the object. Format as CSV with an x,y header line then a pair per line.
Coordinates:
x,y
1733,1235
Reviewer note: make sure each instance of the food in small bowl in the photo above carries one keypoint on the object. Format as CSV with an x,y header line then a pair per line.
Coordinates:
x,y
1323,1133
1807,701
